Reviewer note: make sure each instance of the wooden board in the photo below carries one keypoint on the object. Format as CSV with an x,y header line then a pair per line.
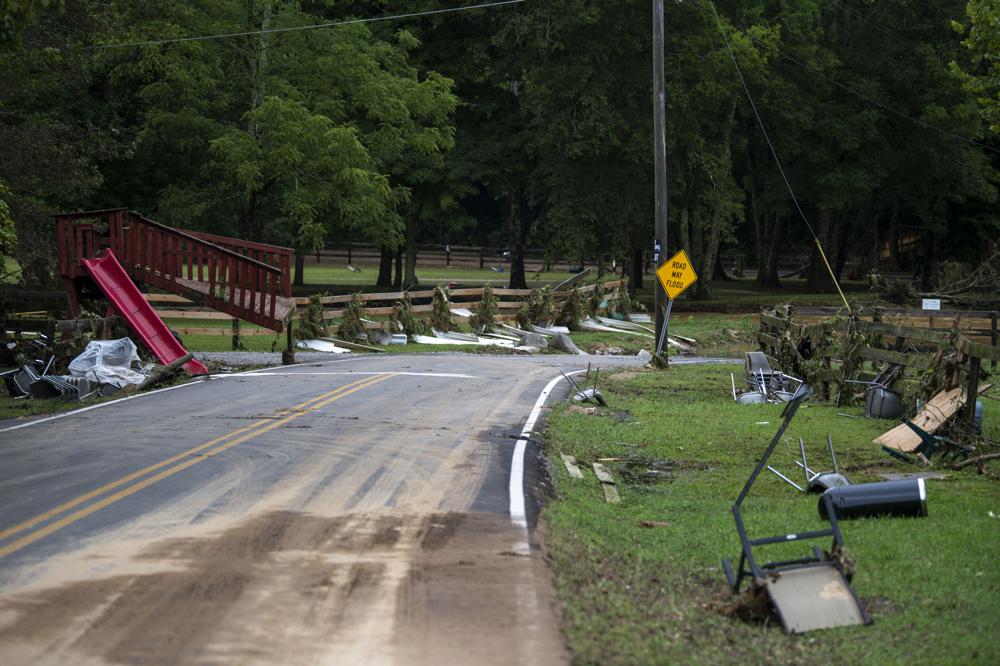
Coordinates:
x,y
603,474
571,467
935,414
224,331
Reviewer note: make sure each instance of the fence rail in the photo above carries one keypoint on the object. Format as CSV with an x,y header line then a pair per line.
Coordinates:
x,y
853,341
172,306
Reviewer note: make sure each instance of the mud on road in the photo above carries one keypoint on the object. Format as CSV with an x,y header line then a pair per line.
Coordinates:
x,y
285,587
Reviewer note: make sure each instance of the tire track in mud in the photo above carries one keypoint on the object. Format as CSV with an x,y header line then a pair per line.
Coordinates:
x,y
289,587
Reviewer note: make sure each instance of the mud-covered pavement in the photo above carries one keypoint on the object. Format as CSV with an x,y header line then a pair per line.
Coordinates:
x,y
349,512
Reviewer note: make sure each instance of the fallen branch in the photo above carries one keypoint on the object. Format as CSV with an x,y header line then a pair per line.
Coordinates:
x,y
973,461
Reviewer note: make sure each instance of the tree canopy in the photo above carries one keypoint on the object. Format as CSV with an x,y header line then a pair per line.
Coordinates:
x,y
525,125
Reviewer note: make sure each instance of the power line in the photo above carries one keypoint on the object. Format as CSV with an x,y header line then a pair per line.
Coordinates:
x,y
884,106
798,60
760,122
317,26
774,154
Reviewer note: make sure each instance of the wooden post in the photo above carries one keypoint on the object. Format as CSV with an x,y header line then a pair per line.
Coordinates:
x,y
973,391
993,334
236,334
288,356
482,262
350,249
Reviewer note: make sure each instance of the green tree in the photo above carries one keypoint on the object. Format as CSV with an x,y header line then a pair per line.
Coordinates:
x,y
982,78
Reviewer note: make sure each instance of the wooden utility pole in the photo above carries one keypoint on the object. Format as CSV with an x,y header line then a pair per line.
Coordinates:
x,y
659,159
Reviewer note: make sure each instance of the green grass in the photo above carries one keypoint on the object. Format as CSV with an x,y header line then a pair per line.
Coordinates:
x,y
743,295
655,596
326,274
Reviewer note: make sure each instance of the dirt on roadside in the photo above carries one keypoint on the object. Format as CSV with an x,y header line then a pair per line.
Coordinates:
x,y
287,587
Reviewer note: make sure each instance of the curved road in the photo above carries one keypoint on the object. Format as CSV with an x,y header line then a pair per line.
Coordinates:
x,y
353,511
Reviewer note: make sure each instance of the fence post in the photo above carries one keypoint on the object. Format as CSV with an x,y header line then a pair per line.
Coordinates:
x,y
993,334
350,248
236,334
482,262
973,391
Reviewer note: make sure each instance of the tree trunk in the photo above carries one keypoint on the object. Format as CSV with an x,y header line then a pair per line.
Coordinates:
x,y
517,229
636,270
384,267
397,281
760,237
410,279
684,225
819,277
710,253
300,269
927,262
719,271
894,253
767,275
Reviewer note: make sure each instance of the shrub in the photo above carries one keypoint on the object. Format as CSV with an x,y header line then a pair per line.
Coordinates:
x,y
402,317
351,325
441,315
573,310
537,309
311,325
484,318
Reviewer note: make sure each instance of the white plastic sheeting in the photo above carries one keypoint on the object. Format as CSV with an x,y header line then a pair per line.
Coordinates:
x,y
108,362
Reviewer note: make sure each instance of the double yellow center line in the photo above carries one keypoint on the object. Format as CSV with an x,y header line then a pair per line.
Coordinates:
x,y
169,467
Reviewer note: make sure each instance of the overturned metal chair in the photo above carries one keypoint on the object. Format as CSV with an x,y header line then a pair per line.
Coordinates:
x,y
812,592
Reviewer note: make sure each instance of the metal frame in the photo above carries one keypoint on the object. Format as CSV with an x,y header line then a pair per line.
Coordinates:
x,y
748,567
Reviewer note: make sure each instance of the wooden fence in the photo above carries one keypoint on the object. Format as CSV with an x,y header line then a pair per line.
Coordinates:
x,y
833,350
509,301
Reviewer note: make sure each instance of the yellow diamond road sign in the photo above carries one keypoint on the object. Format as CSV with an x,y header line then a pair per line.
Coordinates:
x,y
676,274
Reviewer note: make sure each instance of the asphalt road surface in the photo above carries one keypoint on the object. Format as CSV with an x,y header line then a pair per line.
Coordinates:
x,y
354,511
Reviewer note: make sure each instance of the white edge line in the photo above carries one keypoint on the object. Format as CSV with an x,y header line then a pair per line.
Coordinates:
x,y
98,405
193,382
518,515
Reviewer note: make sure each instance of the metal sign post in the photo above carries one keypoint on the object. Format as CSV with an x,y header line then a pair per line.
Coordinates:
x,y
675,275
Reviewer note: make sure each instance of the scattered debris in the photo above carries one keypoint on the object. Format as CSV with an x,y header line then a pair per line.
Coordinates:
x,y
571,467
587,394
353,346
563,342
809,593
534,340
915,436
320,346
891,476
164,373
649,524
607,483
903,498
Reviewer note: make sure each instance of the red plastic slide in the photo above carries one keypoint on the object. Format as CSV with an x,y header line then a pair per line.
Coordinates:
x,y
119,288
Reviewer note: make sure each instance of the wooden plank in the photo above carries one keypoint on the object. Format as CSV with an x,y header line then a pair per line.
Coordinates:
x,y
571,467
935,414
194,314
353,346
512,292
908,332
919,361
603,474
224,331
987,352
468,291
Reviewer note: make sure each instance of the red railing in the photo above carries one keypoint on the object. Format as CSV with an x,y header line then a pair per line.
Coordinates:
x,y
250,281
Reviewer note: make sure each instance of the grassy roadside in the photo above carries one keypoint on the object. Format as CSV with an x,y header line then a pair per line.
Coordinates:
x,y
652,595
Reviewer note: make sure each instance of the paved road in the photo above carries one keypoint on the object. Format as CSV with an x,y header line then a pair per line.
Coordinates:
x,y
355,511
